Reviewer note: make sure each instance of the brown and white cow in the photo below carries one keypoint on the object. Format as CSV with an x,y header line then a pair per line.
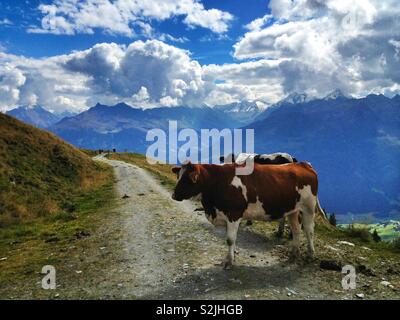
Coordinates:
x,y
269,193
265,158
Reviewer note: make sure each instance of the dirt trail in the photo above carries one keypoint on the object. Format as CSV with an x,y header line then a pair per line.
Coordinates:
x,y
170,251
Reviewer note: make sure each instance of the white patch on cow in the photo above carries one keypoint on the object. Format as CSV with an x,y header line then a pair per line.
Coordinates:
x,y
267,156
273,156
255,211
242,157
307,201
236,182
231,233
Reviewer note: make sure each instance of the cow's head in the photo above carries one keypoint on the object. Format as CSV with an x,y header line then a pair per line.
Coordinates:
x,y
188,184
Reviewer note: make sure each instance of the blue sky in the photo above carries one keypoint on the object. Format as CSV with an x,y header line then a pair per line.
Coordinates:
x,y
71,54
22,15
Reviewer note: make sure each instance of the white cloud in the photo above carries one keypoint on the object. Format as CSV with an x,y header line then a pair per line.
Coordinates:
x,y
123,16
10,80
323,45
163,70
141,96
5,22
145,74
258,23
252,80
27,81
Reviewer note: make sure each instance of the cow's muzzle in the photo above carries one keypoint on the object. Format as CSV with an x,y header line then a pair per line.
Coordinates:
x,y
174,197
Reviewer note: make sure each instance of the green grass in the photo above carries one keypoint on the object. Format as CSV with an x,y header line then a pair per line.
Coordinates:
x,y
388,231
89,152
51,196
29,246
39,172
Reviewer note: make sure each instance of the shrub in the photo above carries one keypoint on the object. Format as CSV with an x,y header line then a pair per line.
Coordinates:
x,y
375,236
361,233
332,219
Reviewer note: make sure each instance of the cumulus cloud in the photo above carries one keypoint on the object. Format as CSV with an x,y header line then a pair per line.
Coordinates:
x,y
124,16
252,80
323,45
166,73
10,80
144,74
27,81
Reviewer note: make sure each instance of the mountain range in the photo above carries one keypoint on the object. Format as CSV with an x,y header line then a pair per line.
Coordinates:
x,y
124,128
354,144
36,115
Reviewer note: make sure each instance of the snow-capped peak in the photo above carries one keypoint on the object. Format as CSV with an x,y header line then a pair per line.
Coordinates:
x,y
243,106
335,95
295,98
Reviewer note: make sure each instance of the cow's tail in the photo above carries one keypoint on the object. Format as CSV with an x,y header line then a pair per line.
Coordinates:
x,y
320,212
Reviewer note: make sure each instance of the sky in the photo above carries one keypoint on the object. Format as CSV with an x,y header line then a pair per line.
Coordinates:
x,y
67,55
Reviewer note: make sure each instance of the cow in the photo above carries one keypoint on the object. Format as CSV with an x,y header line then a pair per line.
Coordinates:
x,y
272,158
268,193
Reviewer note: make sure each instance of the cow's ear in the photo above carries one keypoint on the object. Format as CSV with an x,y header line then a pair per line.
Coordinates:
x,y
176,169
194,176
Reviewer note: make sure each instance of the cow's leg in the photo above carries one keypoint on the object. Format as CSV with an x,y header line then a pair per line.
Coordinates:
x,y
231,233
295,227
281,228
308,225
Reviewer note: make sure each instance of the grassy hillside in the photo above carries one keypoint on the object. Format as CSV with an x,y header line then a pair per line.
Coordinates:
x,y
52,197
39,173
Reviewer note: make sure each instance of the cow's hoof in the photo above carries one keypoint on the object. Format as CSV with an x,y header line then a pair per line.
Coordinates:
x,y
310,258
227,265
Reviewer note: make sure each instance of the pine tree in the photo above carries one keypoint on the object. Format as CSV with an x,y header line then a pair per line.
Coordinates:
x,y
376,236
332,219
